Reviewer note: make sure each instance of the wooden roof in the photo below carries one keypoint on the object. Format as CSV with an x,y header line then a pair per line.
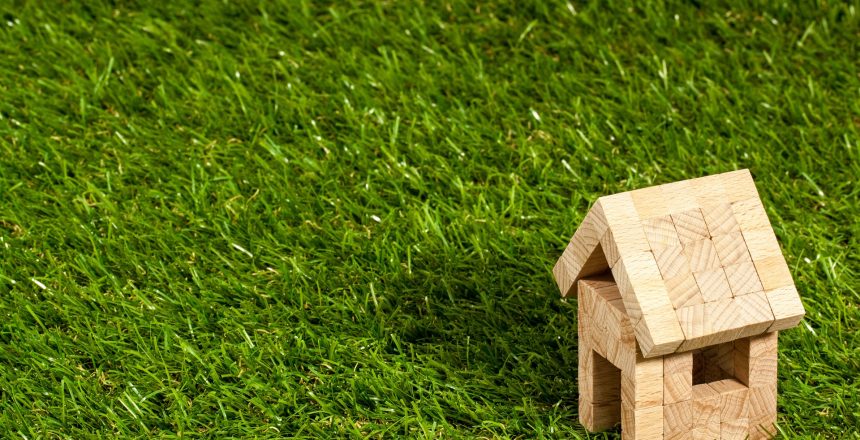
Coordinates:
x,y
696,261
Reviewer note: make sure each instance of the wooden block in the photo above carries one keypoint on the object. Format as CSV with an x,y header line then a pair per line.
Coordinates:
x,y
641,423
786,306
709,190
649,202
678,420
658,332
731,248
720,219
641,266
733,399
750,214
671,261
708,324
583,255
701,255
762,243
623,220
710,431
609,247
599,416
706,407
677,377
722,321
692,321
690,226
734,429
743,278
679,196
773,273
739,185
756,317
625,357
763,357
683,291
762,412
713,285
562,274
660,232
642,386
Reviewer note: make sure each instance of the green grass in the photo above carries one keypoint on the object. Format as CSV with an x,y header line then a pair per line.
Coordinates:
x,y
331,220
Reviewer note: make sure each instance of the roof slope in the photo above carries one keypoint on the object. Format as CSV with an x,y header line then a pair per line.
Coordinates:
x,y
696,261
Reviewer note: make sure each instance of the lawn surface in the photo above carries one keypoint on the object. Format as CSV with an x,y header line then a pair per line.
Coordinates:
x,y
329,220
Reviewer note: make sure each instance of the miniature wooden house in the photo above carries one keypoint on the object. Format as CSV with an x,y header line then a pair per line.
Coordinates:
x,y
681,291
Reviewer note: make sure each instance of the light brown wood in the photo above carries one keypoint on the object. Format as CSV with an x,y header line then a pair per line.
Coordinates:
x,y
701,255
786,306
709,191
720,219
610,248
706,412
642,423
642,386
733,399
678,420
684,291
739,186
679,196
677,377
731,248
743,278
660,232
761,243
750,214
734,429
690,226
762,412
693,285
671,261
773,273
756,315
713,285
650,202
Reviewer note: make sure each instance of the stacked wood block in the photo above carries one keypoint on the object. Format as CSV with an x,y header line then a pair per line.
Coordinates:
x,y
696,262
727,391
682,289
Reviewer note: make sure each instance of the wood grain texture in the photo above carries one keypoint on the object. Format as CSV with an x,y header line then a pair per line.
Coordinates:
x,y
739,186
671,261
743,278
733,399
762,412
660,232
701,255
731,248
761,243
683,291
650,202
677,377
750,214
678,420
786,306
642,386
756,315
641,423
773,273
706,410
720,219
713,285
690,226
